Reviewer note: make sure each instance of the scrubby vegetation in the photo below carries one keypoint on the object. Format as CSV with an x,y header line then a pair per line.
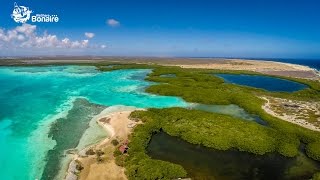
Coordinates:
x,y
214,130
316,176
99,155
114,142
313,150
120,160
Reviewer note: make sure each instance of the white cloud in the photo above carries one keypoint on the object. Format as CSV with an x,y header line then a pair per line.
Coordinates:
x,y
113,22
25,36
26,29
89,35
103,46
21,37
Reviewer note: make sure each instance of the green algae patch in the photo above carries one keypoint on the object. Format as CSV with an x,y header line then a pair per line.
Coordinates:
x,y
67,131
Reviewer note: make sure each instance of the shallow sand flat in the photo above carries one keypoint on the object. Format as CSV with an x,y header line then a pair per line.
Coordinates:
x,y
294,117
104,171
298,74
116,124
265,67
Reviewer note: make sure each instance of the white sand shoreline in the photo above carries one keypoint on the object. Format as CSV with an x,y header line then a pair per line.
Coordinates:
x,y
113,120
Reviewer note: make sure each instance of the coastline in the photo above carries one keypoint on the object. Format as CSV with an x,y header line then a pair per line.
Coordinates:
x,y
115,121
107,129
272,67
260,66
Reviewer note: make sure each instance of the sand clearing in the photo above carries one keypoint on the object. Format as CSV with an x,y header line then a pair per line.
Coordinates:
x,y
297,112
105,171
119,126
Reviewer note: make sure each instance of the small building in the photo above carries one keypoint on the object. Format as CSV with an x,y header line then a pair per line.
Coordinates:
x,y
123,148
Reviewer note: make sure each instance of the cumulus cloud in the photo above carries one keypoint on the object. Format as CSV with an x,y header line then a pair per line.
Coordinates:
x,y
25,36
89,35
113,22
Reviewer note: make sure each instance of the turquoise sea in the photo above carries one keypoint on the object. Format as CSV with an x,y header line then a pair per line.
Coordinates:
x,y
45,110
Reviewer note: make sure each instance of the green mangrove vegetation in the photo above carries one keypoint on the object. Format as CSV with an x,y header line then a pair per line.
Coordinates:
x,y
138,164
218,131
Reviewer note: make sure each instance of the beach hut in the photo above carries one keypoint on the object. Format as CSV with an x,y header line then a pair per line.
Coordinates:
x,y
123,148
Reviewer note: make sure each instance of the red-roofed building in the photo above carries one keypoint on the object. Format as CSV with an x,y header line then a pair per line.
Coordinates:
x,y
123,148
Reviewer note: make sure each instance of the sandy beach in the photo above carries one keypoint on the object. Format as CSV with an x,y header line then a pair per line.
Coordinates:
x,y
119,126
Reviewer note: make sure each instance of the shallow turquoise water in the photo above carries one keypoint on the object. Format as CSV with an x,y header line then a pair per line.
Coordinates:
x,y
263,82
32,98
231,109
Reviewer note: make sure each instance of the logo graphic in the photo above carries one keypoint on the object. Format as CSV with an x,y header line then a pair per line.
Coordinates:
x,y
21,14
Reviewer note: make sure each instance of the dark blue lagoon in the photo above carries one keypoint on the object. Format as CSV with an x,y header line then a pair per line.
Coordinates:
x,y
263,82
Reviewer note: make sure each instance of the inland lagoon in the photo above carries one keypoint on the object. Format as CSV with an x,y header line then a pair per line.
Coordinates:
x,y
168,75
263,82
206,163
232,110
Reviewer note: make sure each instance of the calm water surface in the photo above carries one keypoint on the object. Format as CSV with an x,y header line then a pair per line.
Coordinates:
x,y
206,163
232,110
263,82
45,110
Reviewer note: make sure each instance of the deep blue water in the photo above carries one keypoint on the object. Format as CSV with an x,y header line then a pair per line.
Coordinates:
x,y
313,63
263,82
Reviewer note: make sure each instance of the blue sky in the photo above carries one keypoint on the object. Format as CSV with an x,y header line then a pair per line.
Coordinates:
x,y
216,28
